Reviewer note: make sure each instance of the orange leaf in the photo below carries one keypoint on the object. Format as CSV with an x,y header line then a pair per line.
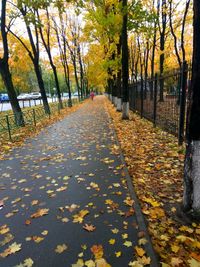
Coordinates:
x,y
89,228
140,251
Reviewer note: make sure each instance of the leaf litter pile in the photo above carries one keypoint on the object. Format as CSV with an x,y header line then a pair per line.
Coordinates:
x,y
155,163
64,198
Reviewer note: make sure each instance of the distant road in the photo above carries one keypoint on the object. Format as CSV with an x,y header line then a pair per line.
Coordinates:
x,y
27,103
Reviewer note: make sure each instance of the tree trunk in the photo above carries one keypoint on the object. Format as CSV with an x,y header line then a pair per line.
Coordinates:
x,y
183,29
119,90
146,66
125,97
119,77
174,35
76,79
114,93
48,50
5,71
153,52
41,86
162,48
57,85
191,197
7,79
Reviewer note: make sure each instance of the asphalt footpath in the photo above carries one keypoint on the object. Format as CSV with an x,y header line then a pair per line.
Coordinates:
x,y
66,198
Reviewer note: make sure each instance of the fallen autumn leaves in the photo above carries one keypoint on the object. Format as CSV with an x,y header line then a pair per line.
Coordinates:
x,y
155,163
22,133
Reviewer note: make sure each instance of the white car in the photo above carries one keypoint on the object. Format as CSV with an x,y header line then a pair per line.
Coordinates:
x,y
35,95
75,94
23,97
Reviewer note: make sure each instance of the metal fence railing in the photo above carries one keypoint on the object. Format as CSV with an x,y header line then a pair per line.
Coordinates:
x,y
163,100
31,116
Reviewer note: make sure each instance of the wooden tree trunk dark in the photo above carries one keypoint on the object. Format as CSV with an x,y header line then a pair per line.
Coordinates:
x,y
41,86
5,71
119,78
191,198
162,48
7,79
47,45
125,72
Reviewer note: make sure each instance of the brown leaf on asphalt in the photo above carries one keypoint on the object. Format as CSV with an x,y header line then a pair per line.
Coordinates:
x,y
4,229
28,222
40,213
12,249
129,213
176,262
61,248
89,227
140,251
79,217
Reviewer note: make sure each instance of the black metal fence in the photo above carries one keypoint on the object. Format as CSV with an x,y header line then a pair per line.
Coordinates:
x,y
31,116
163,100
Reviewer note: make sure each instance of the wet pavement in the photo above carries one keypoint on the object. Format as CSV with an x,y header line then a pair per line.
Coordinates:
x,y
64,198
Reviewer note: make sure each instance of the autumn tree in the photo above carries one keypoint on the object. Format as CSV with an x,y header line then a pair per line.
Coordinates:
x,y
4,67
60,30
21,67
28,12
181,55
45,30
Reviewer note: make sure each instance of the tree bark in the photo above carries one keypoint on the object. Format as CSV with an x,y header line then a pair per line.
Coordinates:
x,y
119,77
191,197
183,29
7,79
41,86
153,51
125,72
5,71
162,47
47,47
174,35
63,52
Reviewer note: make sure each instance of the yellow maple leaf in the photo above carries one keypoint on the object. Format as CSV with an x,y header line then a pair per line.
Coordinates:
x,y
151,201
140,251
127,244
115,230
27,263
145,260
142,241
97,250
135,264
45,232
112,241
118,254
102,263
61,248
12,249
37,239
40,213
175,248
194,263
4,229
90,263
176,262
78,218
